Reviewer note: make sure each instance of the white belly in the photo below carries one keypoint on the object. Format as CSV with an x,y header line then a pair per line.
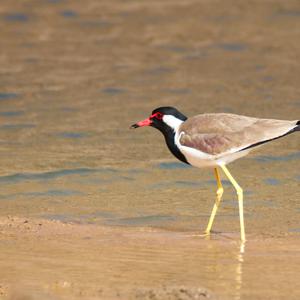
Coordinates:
x,y
202,160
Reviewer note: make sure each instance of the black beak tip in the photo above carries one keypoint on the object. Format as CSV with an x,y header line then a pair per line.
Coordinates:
x,y
134,126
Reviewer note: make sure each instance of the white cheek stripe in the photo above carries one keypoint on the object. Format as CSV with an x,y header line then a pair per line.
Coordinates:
x,y
172,121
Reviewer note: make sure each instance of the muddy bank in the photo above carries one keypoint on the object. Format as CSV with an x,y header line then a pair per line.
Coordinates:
x,y
71,261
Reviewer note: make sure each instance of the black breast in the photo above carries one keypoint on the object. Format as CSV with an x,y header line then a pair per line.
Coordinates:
x,y
169,135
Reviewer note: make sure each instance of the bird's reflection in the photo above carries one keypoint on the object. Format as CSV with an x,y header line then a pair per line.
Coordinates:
x,y
235,272
239,270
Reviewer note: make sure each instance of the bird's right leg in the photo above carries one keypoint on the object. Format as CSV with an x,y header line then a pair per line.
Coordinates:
x,y
217,203
239,192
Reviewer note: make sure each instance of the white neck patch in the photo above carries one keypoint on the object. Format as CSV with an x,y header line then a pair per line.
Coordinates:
x,y
172,121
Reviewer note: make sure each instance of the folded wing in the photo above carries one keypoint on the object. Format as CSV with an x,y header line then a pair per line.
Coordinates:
x,y
219,134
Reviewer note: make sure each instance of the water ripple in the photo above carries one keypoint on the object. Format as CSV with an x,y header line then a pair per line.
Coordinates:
x,y
17,126
14,113
18,177
173,165
268,158
48,193
16,17
69,14
7,96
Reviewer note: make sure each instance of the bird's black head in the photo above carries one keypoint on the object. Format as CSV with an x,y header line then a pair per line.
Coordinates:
x,y
163,118
167,120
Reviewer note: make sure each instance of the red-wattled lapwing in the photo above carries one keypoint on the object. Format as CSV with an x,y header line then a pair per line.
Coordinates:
x,y
215,140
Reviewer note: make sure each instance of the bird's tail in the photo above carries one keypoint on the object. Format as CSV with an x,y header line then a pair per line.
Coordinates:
x,y
297,128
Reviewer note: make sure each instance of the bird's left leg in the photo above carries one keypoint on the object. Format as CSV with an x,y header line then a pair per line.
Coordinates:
x,y
217,203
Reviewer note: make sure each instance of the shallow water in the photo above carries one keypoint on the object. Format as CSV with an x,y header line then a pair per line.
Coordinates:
x,y
75,76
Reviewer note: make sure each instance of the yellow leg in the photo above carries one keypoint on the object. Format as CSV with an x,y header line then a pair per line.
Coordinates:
x,y
217,203
240,199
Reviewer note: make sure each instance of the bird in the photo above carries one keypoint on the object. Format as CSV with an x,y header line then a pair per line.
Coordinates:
x,y
214,140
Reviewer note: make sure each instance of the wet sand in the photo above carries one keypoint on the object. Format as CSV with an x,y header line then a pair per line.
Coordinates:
x,y
41,259
92,210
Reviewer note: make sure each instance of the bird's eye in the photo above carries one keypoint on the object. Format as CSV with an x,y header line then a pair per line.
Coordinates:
x,y
159,116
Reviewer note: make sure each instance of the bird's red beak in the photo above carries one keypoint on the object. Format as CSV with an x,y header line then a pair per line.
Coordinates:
x,y
146,122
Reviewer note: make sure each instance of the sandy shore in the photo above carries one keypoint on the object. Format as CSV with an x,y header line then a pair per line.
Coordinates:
x,y
53,260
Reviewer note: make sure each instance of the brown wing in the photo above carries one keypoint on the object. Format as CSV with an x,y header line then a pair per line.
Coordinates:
x,y
216,134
